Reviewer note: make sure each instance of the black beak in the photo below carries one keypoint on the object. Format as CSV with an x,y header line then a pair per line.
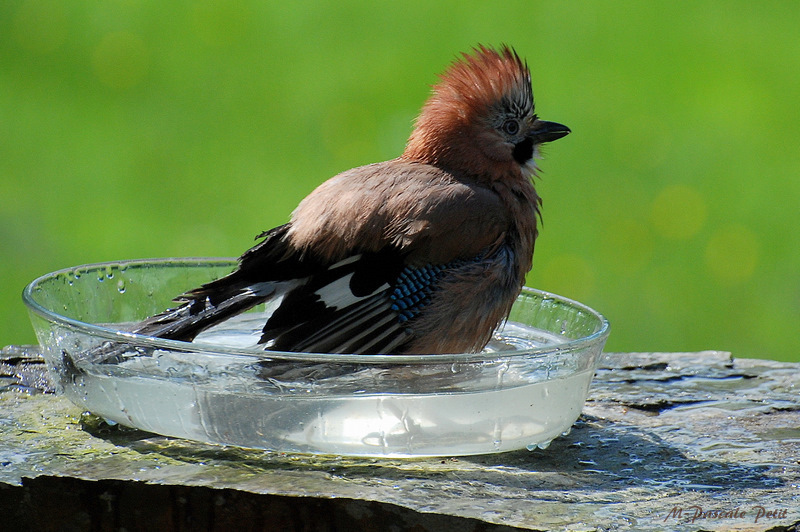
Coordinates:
x,y
548,131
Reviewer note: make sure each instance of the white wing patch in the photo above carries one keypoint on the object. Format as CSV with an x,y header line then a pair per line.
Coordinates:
x,y
337,294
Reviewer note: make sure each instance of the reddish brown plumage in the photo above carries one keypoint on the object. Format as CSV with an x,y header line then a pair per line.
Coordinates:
x,y
459,203
457,126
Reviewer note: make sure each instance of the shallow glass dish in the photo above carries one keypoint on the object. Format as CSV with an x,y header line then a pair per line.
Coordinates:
x,y
526,388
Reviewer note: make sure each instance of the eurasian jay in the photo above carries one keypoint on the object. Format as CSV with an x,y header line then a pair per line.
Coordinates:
x,y
422,254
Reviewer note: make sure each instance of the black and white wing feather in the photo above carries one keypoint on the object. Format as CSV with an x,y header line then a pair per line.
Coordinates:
x,y
364,303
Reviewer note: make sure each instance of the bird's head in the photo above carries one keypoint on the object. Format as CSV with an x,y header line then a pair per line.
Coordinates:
x,y
480,120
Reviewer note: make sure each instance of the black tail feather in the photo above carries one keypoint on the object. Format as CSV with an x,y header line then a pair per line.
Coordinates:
x,y
196,315
262,270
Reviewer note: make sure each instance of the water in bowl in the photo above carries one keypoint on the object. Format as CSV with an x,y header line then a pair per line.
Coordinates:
x,y
461,408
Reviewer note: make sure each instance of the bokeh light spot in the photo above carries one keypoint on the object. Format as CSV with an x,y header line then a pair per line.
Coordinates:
x,y
678,212
121,60
568,275
732,254
40,26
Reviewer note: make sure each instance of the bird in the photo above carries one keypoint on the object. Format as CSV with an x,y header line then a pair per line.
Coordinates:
x,y
422,254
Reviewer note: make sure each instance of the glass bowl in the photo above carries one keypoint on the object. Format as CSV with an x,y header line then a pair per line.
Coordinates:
x,y
527,387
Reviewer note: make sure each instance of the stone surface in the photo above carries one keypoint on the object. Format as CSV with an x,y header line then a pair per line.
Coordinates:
x,y
667,441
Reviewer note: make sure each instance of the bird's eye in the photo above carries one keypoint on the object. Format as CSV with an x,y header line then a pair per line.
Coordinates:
x,y
511,127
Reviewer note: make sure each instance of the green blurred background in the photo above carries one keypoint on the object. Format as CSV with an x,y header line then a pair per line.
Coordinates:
x,y
132,129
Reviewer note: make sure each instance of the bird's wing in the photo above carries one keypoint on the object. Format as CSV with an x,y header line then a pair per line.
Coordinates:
x,y
362,304
342,308
388,233
359,259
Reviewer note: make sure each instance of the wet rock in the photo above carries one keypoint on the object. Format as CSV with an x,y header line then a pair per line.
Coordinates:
x,y
667,441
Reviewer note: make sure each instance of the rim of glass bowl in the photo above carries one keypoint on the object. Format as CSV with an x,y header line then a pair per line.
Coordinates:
x,y
108,333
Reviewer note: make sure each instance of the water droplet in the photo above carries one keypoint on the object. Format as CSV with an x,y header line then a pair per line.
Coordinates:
x,y
121,286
